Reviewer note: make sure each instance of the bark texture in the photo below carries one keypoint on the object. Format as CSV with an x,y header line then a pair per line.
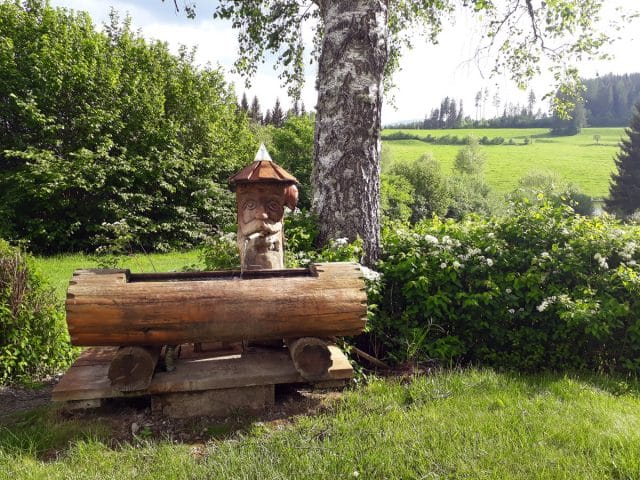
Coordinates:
x,y
121,309
346,175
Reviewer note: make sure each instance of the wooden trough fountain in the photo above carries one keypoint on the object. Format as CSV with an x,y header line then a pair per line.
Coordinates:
x,y
208,343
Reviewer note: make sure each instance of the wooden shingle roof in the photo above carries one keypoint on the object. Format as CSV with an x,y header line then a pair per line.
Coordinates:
x,y
263,169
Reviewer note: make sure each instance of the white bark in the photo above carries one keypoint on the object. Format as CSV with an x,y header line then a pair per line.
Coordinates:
x,y
346,175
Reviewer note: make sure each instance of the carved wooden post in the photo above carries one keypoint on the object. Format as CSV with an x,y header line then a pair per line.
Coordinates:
x,y
263,189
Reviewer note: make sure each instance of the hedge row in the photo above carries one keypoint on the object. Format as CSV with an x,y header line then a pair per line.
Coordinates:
x,y
446,139
538,289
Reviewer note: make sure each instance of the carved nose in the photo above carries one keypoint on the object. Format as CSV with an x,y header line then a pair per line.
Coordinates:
x,y
262,215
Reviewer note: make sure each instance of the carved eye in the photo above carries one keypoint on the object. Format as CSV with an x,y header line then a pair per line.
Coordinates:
x,y
273,206
250,205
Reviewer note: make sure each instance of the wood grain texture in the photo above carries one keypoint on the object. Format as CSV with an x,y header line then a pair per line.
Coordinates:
x,y
310,356
87,379
105,309
132,368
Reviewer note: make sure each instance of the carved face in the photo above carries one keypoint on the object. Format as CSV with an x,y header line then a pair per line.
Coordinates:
x,y
260,208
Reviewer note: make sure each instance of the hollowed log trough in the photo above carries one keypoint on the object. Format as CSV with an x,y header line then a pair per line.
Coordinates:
x,y
119,308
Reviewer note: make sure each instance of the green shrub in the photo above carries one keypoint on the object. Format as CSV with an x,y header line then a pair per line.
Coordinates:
x,y
293,150
221,253
470,194
537,289
555,189
100,128
33,336
431,193
397,196
469,159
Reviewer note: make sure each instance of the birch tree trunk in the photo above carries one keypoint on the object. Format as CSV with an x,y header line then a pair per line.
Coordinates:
x,y
346,176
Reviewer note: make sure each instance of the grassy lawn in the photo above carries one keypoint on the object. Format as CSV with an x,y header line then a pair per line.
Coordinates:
x,y
59,268
577,159
471,424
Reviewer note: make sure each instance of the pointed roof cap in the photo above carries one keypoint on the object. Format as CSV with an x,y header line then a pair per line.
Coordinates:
x,y
263,169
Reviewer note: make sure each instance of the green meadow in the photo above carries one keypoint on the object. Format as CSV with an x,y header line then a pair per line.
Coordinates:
x,y
578,159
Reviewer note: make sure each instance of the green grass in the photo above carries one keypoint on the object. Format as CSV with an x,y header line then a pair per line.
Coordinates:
x,y
59,268
577,159
472,424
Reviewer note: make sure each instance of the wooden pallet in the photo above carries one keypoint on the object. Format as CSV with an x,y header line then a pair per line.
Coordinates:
x,y
202,383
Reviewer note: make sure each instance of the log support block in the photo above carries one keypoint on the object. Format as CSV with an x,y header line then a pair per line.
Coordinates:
x,y
132,368
214,403
311,357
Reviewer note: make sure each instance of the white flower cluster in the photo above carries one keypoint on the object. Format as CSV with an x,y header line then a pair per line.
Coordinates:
x,y
370,275
602,261
303,259
339,242
431,239
122,222
228,238
628,250
546,302
563,300
544,257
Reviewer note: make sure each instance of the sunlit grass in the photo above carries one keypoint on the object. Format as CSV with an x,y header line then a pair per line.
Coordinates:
x,y
577,159
472,424
59,268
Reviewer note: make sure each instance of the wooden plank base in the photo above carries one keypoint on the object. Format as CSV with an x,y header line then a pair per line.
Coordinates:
x,y
213,403
197,372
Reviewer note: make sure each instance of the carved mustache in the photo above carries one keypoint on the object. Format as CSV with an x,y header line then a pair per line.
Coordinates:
x,y
261,227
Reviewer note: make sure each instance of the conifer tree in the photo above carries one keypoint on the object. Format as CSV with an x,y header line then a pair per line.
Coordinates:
x,y
295,110
268,118
244,104
624,191
460,119
277,115
531,101
255,113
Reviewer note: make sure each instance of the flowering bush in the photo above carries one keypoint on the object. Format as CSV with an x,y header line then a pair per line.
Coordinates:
x,y
540,288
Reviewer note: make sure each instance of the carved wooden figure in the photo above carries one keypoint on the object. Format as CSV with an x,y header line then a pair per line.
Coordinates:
x,y
263,189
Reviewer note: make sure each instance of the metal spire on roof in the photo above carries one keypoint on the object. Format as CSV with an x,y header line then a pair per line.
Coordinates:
x,y
262,154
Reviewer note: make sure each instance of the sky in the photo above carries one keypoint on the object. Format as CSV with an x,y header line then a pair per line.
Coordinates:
x,y
428,72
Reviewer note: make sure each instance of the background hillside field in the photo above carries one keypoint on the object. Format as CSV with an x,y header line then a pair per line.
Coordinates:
x,y
578,159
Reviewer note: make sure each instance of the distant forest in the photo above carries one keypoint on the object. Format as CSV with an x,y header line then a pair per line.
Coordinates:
x,y
609,99
608,102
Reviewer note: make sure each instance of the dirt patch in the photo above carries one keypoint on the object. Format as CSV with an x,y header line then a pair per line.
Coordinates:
x,y
131,420
16,399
